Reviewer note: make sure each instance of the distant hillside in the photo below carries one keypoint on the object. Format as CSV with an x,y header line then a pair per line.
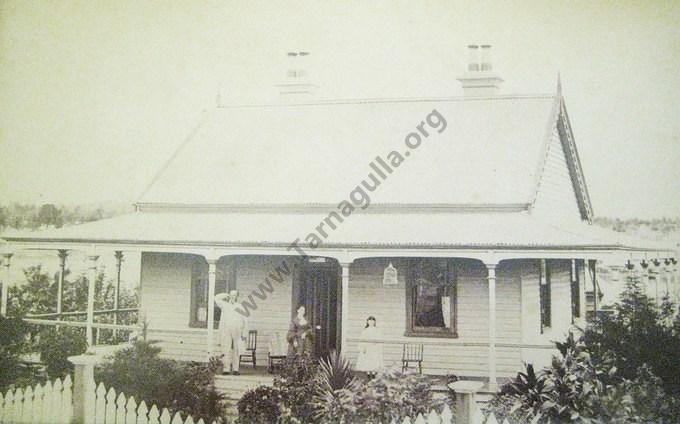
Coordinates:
x,y
22,216
666,229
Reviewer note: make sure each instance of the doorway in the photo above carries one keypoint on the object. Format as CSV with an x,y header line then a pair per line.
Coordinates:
x,y
316,288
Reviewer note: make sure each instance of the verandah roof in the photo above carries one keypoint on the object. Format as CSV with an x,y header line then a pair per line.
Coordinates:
x,y
455,230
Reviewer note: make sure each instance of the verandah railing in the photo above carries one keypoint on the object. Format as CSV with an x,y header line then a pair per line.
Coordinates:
x,y
104,332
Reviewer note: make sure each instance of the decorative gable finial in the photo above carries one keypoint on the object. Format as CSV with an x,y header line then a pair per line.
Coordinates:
x,y
559,83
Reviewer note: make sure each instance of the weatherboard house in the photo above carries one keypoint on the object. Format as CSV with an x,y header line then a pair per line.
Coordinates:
x,y
462,224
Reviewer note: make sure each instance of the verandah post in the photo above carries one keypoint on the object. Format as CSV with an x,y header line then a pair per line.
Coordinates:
x,y
344,319
5,283
90,299
63,253
212,269
116,296
491,277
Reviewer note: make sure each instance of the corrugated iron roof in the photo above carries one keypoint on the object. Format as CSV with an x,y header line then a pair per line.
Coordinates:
x,y
317,153
470,230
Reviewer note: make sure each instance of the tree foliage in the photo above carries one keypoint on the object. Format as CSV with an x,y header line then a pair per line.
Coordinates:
x,y
180,387
13,332
623,369
637,333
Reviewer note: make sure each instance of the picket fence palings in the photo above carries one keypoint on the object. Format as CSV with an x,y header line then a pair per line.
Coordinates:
x,y
200,421
189,420
165,416
48,405
39,402
8,415
66,404
131,414
154,415
100,404
120,408
177,419
53,392
18,404
110,414
142,412
27,410
433,418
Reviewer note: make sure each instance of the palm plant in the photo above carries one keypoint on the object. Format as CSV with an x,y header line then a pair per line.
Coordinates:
x,y
334,389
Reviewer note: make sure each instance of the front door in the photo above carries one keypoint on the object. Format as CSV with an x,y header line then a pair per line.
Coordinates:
x,y
316,287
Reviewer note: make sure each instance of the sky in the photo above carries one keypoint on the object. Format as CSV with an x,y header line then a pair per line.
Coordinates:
x,y
96,95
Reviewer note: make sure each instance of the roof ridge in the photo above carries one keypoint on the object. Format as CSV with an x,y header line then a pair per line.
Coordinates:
x,y
375,100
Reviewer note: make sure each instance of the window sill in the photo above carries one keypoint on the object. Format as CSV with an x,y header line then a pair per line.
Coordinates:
x,y
202,324
431,333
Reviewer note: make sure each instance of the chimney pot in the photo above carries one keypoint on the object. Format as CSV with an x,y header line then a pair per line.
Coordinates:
x,y
473,58
485,58
296,84
479,79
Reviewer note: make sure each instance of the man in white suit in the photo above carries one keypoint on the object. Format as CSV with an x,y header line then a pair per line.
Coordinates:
x,y
233,330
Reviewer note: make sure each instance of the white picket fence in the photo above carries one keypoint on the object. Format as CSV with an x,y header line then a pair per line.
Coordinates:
x,y
52,403
447,417
110,408
48,403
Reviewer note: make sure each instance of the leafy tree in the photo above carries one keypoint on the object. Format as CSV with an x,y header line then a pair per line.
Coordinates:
x,y
49,215
37,296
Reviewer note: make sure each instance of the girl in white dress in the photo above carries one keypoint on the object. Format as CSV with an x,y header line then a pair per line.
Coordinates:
x,y
370,358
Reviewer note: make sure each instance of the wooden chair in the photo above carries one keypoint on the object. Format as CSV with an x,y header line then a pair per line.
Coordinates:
x,y
277,352
251,347
412,353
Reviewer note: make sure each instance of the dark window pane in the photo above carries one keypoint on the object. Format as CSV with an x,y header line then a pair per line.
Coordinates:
x,y
431,294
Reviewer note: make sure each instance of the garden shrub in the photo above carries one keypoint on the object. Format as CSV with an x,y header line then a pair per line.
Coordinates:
x,y
181,387
574,388
637,333
260,406
13,332
391,396
55,345
297,382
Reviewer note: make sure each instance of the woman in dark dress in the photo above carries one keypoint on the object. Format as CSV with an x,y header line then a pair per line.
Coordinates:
x,y
299,335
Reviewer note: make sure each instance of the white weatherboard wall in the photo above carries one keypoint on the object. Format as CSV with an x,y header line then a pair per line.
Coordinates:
x,y
466,355
166,298
556,198
560,297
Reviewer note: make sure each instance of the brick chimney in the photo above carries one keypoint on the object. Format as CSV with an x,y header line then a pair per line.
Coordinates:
x,y
297,84
479,79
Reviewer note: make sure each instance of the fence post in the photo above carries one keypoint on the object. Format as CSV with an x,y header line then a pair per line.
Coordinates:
x,y
83,388
465,399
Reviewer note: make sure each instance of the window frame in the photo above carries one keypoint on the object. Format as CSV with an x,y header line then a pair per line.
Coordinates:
x,y
226,269
452,277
